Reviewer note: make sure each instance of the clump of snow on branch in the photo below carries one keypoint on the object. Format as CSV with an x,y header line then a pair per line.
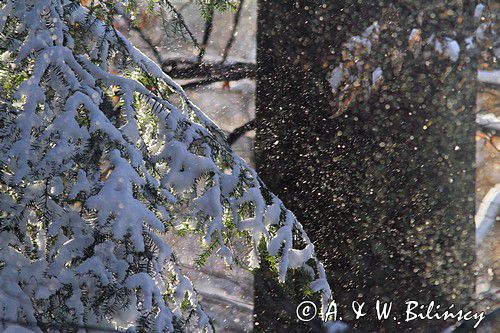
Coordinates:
x,y
491,77
486,34
355,74
95,166
488,120
365,57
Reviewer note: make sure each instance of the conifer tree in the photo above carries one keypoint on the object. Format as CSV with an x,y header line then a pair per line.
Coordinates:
x,y
100,154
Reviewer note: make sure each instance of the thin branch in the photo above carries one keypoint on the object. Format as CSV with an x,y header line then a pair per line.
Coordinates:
x,y
189,69
207,72
181,21
206,35
233,303
240,131
215,273
230,41
199,83
149,43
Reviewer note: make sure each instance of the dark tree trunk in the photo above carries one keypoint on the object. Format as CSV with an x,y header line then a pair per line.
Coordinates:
x,y
386,188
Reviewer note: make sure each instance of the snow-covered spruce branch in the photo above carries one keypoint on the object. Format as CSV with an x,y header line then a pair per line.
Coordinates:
x,y
95,166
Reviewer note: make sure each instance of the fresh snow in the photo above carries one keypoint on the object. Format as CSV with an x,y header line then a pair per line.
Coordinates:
x,y
492,77
89,184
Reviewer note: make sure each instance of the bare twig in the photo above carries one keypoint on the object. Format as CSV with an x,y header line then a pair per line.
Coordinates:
x,y
240,131
230,41
206,72
189,69
181,21
218,299
199,83
206,35
149,43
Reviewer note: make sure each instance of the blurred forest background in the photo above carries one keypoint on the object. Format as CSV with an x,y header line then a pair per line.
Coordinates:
x,y
213,56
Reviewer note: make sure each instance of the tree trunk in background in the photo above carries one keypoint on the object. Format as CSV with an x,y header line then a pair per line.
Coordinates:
x,y
386,188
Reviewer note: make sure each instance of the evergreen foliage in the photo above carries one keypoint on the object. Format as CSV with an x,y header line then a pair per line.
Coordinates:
x,y
100,154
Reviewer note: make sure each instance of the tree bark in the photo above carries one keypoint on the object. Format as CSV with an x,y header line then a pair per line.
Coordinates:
x,y
385,187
